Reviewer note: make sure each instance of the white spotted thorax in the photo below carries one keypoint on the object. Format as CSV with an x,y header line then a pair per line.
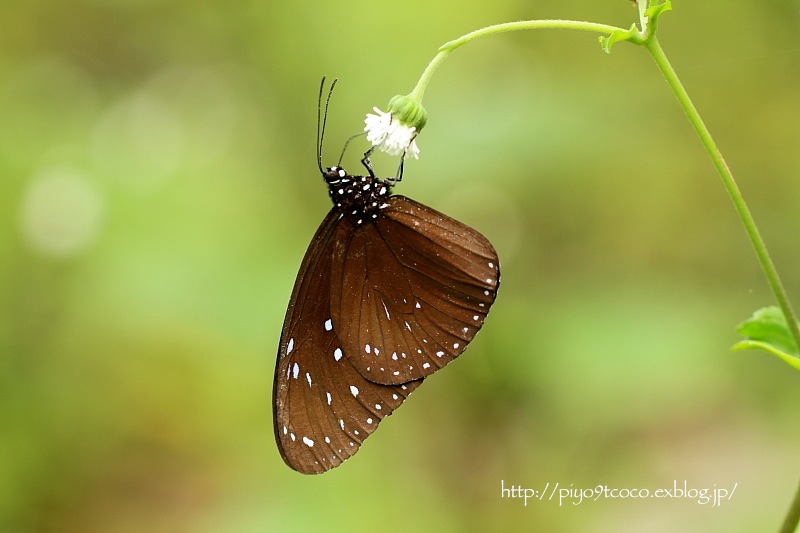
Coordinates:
x,y
389,134
361,197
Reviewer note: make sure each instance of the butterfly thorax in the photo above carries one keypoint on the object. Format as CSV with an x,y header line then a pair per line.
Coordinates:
x,y
360,196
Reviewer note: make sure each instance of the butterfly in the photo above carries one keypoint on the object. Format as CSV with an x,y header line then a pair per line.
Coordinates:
x,y
389,292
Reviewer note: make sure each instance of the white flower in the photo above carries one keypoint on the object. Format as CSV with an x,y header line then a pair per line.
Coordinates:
x,y
391,135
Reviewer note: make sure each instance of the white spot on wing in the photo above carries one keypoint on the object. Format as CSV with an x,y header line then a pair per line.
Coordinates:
x,y
308,442
337,353
328,394
367,348
308,378
426,365
290,347
328,325
354,390
295,371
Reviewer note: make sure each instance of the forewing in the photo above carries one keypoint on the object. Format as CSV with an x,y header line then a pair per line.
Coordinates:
x,y
323,407
410,290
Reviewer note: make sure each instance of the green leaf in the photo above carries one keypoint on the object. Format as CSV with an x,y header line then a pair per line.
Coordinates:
x,y
652,14
631,35
767,330
655,10
648,20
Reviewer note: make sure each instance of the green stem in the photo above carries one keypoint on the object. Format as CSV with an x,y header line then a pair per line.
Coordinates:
x,y
650,42
653,46
739,204
448,47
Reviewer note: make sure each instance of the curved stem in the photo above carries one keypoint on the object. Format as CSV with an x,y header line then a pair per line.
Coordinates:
x,y
653,46
448,47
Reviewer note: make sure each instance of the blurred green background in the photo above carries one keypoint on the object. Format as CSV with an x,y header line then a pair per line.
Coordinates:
x,y
158,189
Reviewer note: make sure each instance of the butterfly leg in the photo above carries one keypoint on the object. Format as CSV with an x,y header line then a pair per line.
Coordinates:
x,y
399,176
367,163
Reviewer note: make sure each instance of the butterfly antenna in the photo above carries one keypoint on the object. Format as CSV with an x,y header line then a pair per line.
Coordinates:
x,y
322,119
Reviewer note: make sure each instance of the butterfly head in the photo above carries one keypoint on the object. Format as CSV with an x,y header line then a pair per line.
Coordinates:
x,y
334,175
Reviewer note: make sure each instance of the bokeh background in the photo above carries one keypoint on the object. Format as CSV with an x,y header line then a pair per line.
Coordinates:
x,y
158,189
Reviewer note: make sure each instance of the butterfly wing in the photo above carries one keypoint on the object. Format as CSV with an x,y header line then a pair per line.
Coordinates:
x,y
323,406
410,290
